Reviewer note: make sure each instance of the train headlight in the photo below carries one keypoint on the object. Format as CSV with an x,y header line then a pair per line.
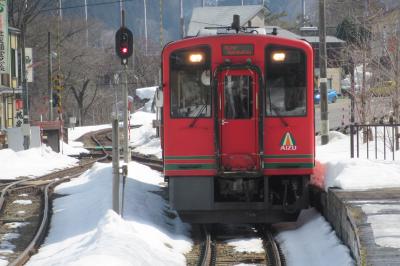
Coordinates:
x,y
195,58
278,56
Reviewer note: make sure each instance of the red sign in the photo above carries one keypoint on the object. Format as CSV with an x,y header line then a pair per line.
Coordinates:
x,y
238,49
19,104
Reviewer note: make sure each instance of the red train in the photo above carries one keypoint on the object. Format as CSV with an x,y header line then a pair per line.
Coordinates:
x,y
238,127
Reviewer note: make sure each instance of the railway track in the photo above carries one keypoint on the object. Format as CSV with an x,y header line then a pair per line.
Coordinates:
x,y
103,140
25,210
212,246
211,243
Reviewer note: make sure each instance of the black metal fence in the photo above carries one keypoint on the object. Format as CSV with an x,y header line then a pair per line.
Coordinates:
x,y
384,139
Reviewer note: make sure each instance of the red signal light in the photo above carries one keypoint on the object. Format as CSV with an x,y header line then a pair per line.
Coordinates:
x,y
124,50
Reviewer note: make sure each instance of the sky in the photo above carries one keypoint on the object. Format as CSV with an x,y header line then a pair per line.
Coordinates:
x,y
85,231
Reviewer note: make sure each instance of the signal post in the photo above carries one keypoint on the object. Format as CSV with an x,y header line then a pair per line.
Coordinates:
x,y
124,50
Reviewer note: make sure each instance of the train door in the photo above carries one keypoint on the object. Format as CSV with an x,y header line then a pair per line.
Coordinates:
x,y
238,120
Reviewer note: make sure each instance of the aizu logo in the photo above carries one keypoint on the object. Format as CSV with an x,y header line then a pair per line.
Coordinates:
x,y
288,143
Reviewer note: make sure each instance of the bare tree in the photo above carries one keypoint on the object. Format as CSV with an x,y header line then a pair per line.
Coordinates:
x,y
21,14
81,65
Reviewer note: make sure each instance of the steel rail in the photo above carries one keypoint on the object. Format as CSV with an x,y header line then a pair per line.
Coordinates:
x,y
4,191
42,230
272,250
40,233
206,257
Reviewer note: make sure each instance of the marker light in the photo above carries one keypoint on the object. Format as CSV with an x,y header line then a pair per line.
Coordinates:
x,y
195,58
278,56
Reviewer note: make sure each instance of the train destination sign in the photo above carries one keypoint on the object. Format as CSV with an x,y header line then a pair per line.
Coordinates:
x,y
238,49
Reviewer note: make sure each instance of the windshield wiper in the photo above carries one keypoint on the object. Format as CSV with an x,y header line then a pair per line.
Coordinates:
x,y
198,115
279,114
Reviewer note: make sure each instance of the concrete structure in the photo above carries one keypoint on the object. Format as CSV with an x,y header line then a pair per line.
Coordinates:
x,y
348,213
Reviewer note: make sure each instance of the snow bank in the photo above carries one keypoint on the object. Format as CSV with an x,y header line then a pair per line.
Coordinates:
x,y
143,139
343,172
312,242
146,93
85,231
32,162
77,132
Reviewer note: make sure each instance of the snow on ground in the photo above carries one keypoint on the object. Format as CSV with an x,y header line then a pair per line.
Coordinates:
x,y
312,242
72,148
143,139
147,93
75,147
77,132
85,231
346,173
22,202
384,220
32,162
247,245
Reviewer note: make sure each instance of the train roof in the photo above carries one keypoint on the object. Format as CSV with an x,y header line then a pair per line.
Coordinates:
x,y
208,36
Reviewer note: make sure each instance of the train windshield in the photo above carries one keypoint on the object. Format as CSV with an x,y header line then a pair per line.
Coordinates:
x,y
285,81
190,83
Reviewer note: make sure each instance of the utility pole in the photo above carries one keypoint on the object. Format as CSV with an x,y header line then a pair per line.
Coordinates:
x,y
323,79
182,21
49,76
87,26
60,8
145,24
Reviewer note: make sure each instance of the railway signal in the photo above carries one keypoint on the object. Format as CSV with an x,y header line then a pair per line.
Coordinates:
x,y
58,86
124,44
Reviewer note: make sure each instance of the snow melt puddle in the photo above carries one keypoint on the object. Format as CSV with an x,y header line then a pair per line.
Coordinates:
x,y
247,245
22,202
384,226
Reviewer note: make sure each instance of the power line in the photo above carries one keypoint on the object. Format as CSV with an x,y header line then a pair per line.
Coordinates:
x,y
80,6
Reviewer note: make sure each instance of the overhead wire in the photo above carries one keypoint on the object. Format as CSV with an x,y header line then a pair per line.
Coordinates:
x,y
80,6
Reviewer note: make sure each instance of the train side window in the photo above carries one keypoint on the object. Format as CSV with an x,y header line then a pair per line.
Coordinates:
x,y
285,79
190,82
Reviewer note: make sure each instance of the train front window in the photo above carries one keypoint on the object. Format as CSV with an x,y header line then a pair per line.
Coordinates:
x,y
286,83
190,83
238,97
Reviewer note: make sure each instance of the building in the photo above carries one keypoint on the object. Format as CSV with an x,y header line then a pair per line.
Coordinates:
x,y
334,47
10,83
220,16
